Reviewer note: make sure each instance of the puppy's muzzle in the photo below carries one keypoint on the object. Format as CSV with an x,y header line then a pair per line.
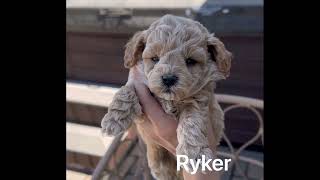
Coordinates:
x,y
169,80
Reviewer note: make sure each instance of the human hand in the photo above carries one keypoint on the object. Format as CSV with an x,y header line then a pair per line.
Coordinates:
x,y
161,127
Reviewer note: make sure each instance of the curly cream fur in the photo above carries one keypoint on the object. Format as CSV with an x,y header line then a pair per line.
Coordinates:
x,y
174,39
123,110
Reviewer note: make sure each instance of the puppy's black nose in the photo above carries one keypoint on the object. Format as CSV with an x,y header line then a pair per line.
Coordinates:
x,y
169,80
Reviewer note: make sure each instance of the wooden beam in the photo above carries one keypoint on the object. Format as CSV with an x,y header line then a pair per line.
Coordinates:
x,y
87,140
74,175
102,95
90,94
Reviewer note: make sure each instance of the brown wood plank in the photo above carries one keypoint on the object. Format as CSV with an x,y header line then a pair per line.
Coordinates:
x,y
69,112
97,114
117,78
98,44
91,60
81,162
85,114
82,113
84,160
99,58
94,161
70,158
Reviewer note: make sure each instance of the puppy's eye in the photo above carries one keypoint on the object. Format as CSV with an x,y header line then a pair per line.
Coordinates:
x,y
190,62
155,59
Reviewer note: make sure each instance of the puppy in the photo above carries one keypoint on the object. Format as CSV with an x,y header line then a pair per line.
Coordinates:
x,y
182,62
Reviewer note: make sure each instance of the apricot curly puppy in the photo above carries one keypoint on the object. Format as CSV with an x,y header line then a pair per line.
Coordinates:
x,y
182,62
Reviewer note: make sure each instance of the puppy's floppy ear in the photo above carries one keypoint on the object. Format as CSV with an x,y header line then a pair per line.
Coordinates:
x,y
134,49
220,55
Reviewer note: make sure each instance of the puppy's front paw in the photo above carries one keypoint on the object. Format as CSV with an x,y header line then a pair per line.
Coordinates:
x,y
123,109
110,126
206,152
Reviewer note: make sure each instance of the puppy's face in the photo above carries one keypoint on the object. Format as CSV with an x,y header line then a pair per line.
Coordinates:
x,y
174,60
178,55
